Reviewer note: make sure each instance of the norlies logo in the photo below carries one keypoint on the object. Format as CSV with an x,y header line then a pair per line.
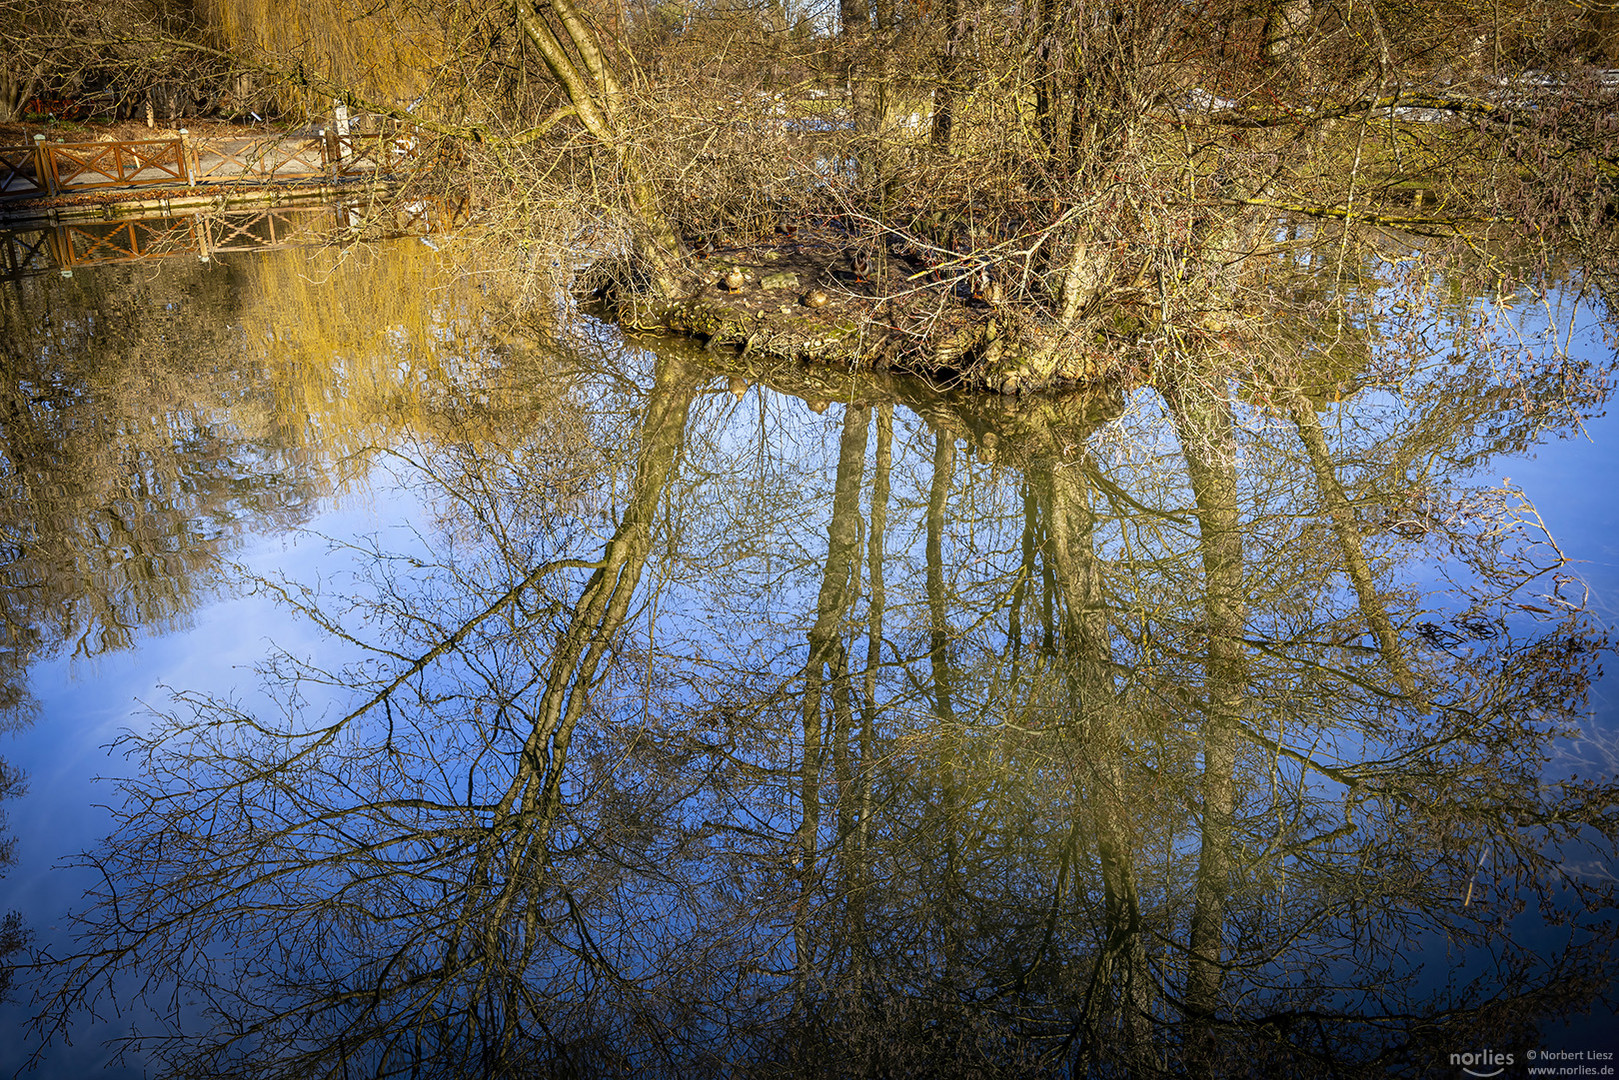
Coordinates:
x,y
1482,1062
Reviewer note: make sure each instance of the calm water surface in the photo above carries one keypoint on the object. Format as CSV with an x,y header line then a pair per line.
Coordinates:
x,y
485,704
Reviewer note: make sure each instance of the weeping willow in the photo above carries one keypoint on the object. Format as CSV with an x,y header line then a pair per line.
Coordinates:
x,y
389,52
363,348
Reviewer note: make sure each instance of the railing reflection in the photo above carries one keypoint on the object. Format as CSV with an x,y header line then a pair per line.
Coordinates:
x,y
43,248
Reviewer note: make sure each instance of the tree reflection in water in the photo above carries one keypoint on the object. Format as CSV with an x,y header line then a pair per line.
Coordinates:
x,y
152,415
976,737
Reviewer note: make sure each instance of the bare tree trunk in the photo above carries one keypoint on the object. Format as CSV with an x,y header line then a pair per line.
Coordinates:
x,y
944,94
595,94
1286,25
15,90
1045,79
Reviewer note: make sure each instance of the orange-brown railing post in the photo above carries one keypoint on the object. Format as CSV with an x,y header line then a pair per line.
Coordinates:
x,y
42,165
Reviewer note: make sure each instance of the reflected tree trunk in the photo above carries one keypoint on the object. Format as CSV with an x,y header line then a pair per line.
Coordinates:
x,y
1027,569
1115,1010
948,736
858,868
1350,541
390,909
826,668
503,919
1208,442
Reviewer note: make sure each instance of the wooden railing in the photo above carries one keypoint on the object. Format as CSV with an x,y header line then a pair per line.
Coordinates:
x,y
122,241
85,166
26,251
20,173
48,168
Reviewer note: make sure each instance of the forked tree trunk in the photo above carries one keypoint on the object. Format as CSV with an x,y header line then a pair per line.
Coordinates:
x,y
596,95
15,90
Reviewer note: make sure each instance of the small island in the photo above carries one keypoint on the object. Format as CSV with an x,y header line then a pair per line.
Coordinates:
x,y
821,297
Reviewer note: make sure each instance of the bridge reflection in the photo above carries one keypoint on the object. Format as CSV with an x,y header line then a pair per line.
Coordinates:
x,y
42,248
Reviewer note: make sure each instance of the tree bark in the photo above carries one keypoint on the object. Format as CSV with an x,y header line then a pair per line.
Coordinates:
x,y
944,92
595,94
1286,24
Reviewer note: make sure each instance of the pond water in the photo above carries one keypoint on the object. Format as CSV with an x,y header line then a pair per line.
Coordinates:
x,y
479,699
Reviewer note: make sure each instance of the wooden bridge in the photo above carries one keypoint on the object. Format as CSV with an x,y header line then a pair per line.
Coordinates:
x,y
29,250
48,169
